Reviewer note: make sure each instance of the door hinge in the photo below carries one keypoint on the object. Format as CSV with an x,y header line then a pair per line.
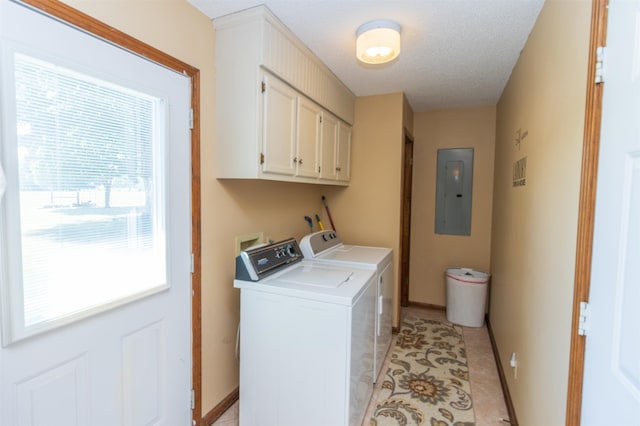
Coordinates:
x,y
193,263
263,87
193,399
599,72
191,118
583,320
261,158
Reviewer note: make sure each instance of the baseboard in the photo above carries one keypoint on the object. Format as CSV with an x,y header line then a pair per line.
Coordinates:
x,y
503,380
219,409
426,306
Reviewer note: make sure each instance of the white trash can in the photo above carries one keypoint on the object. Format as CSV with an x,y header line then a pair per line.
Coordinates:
x,y
466,296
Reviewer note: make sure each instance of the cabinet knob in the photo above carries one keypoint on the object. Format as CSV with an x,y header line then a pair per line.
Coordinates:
x,y
295,160
338,169
300,161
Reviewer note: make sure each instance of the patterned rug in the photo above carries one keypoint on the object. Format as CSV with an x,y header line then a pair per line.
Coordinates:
x,y
427,382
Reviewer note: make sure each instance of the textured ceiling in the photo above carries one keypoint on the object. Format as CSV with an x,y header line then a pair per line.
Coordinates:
x,y
454,52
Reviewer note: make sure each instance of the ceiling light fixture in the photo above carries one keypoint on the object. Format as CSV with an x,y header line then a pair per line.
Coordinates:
x,y
378,42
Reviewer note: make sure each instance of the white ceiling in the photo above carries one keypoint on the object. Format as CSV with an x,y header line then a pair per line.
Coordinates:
x,y
454,52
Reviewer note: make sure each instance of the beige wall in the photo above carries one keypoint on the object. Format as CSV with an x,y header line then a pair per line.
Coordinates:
x,y
432,253
367,212
534,226
229,208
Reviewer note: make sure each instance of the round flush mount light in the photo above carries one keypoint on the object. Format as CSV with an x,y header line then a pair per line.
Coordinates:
x,y
378,42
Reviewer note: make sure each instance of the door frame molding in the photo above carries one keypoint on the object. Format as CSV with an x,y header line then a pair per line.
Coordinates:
x,y
586,212
88,24
405,221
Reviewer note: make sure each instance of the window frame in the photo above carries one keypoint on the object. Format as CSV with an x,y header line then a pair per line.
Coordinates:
x,y
13,328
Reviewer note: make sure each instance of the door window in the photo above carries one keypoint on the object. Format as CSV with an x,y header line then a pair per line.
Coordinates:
x,y
83,215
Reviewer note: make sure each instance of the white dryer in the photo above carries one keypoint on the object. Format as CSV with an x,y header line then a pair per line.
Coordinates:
x,y
306,339
325,247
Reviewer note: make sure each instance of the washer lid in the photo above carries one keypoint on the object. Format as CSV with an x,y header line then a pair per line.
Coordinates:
x,y
315,281
316,275
357,254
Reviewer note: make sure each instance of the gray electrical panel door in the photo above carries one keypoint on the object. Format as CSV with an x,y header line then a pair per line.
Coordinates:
x,y
454,184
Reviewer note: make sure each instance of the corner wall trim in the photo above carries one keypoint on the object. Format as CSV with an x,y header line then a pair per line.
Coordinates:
x,y
503,381
222,406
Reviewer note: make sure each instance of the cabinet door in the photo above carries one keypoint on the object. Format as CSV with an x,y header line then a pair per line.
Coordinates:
x,y
279,127
343,152
328,146
309,118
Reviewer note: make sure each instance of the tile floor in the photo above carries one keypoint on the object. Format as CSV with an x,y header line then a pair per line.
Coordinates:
x,y
489,405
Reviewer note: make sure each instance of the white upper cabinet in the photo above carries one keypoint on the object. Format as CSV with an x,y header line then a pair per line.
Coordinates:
x,y
291,131
272,95
279,135
330,125
335,149
343,153
309,131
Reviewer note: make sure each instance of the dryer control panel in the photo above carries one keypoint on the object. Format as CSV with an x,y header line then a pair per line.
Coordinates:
x,y
256,263
314,244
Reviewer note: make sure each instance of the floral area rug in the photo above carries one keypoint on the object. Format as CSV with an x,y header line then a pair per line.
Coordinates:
x,y
427,382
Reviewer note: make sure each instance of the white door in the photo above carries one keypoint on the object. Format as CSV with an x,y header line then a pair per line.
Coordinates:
x,y
611,391
95,230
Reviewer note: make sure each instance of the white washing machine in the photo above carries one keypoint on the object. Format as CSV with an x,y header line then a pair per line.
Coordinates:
x,y
306,338
325,247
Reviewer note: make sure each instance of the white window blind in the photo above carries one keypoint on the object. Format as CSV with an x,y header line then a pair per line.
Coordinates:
x,y
91,214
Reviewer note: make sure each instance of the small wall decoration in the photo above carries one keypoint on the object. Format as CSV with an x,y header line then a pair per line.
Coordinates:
x,y
520,136
519,174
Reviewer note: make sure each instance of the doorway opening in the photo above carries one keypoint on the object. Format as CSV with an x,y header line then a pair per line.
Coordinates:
x,y
405,247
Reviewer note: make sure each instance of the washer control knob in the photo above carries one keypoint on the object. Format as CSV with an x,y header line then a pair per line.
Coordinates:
x,y
291,251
